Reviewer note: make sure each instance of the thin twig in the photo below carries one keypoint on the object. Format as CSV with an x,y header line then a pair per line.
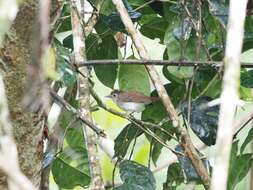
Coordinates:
x,y
184,63
77,114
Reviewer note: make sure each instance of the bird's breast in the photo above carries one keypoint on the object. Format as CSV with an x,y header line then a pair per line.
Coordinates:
x,y
131,106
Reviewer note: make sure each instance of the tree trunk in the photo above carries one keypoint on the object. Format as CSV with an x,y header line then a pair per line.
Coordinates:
x,y
27,127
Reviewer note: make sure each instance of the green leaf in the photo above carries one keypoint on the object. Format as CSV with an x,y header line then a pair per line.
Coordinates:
x,y
202,79
71,168
247,78
135,177
246,93
113,21
105,48
156,111
67,75
203,119
154,28
189,171
247,140
239,167
74,135
157,146
134,77
174,176
124,139
220,11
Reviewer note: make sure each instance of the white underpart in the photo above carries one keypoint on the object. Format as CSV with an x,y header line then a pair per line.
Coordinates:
x,y
131,106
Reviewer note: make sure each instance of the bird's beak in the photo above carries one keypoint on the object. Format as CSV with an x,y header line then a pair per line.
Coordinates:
x,y
108,96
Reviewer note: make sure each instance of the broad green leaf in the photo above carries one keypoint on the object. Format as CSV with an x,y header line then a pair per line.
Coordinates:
x,y
134,77
202,79
71,168
247,78
246,94
74,135
124,139
174,176
239,169
239,166
203,119
154,28
247,140
135,177
105,48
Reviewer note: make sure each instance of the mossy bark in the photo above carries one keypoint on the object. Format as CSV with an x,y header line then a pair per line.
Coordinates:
x,y
27,127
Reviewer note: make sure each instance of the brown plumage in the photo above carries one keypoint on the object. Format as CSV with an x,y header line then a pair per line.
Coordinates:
x,y
134,96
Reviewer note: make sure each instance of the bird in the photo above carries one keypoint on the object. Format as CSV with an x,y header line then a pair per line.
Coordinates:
x,y
131,101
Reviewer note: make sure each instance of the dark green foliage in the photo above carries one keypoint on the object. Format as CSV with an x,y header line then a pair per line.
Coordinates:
x,y
247,140
239,166
204,119
135,177
134,77
247,78
103,48
174,176
188,170
124,139
68,75
68,175
113,21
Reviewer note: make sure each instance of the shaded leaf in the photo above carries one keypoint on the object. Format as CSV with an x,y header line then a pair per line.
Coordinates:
x,y
156,111
113,21
247,140
204,119
188,169
157,146
124,139
67,75
183,31
135,177
105,48
219,10
134,77
174,176
154,28
247,78
239,169
68,174
239,166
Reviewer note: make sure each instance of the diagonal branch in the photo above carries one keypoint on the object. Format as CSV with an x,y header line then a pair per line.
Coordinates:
x,y
185,138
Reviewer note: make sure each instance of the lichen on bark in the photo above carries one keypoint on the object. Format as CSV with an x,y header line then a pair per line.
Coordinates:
x,y
17,54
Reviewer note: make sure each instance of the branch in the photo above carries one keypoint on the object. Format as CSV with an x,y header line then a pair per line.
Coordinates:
x,y
229,95
77,114
157,62
77,18
185,138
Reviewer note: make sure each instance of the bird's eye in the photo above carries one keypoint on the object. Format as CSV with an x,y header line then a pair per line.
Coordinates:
x,y
114,95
